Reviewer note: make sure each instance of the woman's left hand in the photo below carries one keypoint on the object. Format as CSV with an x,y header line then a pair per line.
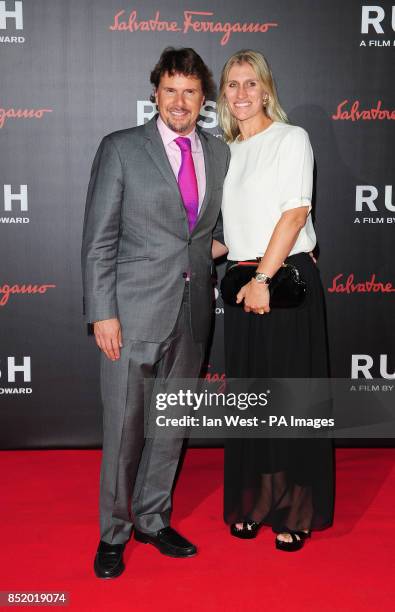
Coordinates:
x,y
256,297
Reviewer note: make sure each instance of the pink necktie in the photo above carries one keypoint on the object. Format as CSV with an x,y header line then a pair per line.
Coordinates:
x,y
187,182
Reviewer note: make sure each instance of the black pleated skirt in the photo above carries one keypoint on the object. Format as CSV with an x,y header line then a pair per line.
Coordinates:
x,y
280,482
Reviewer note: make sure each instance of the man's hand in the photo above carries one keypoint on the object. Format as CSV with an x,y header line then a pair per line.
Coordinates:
x,y
108,337
218,249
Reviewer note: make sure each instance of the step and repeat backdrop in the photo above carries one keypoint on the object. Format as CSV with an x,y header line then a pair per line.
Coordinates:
x,y
74,71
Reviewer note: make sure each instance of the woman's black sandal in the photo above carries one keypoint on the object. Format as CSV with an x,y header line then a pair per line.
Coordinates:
x,y
297,542
247,532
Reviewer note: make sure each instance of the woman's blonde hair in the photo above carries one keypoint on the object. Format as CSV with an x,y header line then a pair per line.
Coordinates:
x,y
261,68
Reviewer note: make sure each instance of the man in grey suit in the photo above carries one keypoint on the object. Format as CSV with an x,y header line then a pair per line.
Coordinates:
x,y
150,226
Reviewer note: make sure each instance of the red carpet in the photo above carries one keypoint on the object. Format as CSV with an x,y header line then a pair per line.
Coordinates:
x,y
49,531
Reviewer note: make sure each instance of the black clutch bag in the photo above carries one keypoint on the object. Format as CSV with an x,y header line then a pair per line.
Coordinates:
x,y
287,289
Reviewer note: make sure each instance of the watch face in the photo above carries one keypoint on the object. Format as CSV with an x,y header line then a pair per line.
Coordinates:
x,y
262,278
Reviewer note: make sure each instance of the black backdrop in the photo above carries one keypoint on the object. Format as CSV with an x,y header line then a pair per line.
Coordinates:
x,y
73,71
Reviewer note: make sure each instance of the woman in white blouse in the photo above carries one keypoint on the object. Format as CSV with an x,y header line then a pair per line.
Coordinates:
x,y
285,483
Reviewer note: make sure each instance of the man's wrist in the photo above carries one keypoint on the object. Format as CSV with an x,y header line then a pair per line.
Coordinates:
x,y
103,320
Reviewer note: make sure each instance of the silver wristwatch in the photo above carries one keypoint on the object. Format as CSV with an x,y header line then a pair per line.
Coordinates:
x,y
260,277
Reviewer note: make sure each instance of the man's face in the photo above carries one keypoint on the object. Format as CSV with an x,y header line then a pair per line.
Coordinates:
x,y
179,99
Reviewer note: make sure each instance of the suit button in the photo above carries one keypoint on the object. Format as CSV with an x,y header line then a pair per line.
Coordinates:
x,y
184,274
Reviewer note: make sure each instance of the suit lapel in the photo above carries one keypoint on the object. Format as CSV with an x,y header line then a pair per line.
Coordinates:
x,y
156,150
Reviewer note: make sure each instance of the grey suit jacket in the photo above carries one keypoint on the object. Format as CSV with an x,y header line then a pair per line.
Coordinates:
x,y
136,244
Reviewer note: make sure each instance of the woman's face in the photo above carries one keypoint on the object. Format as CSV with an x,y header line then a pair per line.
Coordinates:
x,y
244,93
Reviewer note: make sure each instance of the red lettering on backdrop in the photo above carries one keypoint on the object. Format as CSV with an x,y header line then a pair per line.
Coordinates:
x,y
217,26
7,290
19,113
354,114
220,379
152,25
192,21
370,286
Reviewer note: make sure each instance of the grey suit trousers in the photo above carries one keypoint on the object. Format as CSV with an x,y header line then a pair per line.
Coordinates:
x,y
137,474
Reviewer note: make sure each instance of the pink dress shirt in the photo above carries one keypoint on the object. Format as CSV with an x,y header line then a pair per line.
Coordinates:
x,y
174,155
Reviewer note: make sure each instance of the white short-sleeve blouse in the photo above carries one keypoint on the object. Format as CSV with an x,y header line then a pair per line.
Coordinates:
x,y
269,173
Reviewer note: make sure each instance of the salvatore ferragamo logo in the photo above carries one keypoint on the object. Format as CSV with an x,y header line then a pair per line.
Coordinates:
x,y
7,290
351,112
193,21
216,378
339,285
19,113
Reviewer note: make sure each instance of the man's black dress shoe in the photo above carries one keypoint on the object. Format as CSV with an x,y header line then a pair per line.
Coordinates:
x,y
168,542
108,560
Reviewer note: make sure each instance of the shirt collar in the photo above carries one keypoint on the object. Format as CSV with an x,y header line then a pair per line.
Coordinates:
x,y
168,136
